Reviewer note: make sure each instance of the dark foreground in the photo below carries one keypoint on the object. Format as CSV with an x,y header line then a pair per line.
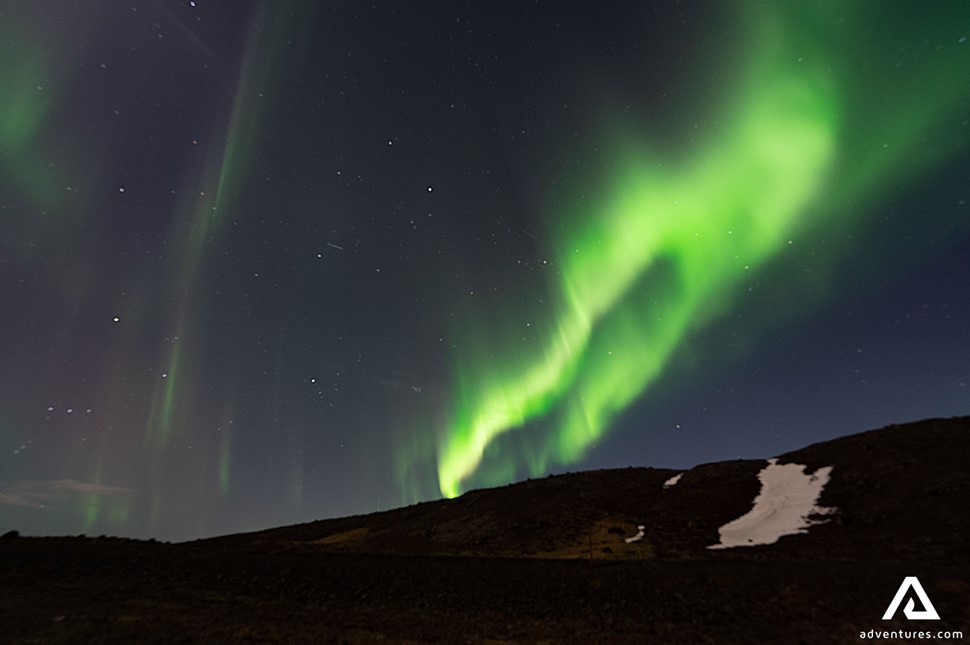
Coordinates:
x,y
74,590
541,561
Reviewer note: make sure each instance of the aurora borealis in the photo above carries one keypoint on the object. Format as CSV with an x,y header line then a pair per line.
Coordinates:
x,y
262,263
728,210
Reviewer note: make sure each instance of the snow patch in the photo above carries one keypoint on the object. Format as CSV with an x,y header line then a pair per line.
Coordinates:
x,y
637,537
787,499
673,480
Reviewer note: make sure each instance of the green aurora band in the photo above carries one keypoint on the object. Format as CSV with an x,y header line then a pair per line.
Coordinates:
x,y
809,132
273,31
39,74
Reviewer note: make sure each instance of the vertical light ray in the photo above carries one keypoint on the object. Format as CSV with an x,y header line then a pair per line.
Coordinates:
x,y
179,400
28,90
225,458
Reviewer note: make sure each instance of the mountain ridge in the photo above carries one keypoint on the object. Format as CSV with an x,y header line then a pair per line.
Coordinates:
x,y
549,560
525,519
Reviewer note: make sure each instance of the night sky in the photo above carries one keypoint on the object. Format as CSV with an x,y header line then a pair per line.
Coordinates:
x,y
269,262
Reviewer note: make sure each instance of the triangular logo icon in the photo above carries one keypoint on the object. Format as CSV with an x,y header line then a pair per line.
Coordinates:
x,y
928,612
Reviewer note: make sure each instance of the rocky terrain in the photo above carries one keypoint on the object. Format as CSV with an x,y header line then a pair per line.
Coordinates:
x,y
551,560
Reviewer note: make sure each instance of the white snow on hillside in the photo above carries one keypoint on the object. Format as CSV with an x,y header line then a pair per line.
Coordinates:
x,y
637,537
673,480
788,497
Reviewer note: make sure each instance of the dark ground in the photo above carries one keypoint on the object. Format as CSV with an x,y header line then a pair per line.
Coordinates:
x,y
107,591
514,564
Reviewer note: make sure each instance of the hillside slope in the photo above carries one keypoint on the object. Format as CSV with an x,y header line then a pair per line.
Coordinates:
x,y
899,493
550,560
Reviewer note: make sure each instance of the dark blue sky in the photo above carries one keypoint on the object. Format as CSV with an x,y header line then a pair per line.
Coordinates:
x,y
252,253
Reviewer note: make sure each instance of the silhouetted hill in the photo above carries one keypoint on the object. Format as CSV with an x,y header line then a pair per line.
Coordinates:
x,y
900,493
549,560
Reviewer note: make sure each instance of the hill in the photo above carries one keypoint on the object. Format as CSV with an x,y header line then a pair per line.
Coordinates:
x,y
602,556
897,492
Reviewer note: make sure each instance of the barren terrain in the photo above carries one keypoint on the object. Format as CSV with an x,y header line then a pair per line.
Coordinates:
x,y
539,561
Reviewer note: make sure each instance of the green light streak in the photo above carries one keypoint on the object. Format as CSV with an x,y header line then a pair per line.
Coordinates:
x,y
160,418
271,30
275,41
225,455
24,105
97,509
661,256
224,169
28,95
227,165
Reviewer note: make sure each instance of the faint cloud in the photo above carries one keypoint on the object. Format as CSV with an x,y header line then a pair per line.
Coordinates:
x,y
45,493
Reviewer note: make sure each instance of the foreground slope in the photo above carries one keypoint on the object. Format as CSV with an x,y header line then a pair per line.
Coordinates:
x,y
545,560
900,493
